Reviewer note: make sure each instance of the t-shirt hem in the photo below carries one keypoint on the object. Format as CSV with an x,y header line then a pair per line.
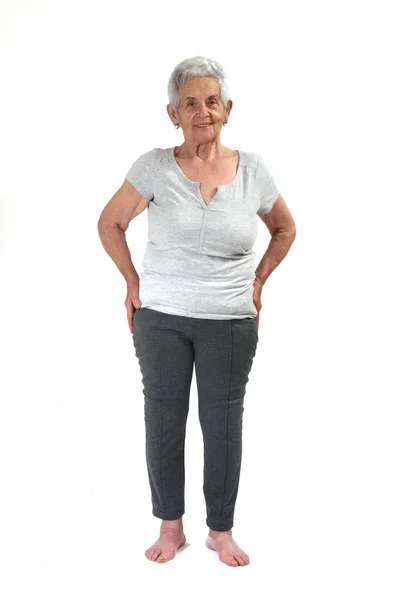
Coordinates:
x,y
167,309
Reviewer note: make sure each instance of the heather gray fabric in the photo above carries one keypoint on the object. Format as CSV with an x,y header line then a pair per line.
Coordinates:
x,y
167,347
199,260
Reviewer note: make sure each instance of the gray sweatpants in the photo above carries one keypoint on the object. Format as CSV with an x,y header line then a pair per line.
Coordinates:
x,y
167,346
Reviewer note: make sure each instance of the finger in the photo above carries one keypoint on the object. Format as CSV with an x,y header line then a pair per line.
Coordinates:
x,y
130,318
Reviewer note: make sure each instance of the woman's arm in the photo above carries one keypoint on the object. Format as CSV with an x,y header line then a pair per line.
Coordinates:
x,y
126,204
282,228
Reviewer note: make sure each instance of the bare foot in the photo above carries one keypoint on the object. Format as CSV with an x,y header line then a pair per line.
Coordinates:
x,y
228,550
164,549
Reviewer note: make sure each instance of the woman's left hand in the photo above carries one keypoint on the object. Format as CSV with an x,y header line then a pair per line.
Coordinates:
x,y
258,285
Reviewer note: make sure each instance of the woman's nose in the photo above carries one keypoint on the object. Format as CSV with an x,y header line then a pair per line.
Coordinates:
x,y
203,109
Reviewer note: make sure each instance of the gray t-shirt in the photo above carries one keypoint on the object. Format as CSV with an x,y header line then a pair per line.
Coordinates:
x,y
199,260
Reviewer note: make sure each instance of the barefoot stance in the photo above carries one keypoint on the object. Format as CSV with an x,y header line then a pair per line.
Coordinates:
x,y
228,550
166,546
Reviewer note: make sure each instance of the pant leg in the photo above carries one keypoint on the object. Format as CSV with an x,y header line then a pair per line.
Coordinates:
x,y
223,354
164,349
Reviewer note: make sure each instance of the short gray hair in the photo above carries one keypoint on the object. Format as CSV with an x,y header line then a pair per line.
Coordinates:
x,y
198,66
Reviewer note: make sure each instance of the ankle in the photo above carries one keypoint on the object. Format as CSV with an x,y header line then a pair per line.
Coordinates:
x,y
171,524
216,534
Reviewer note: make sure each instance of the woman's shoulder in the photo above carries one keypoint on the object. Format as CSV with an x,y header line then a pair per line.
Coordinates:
x,y
154,159
159,157
255,160
248,158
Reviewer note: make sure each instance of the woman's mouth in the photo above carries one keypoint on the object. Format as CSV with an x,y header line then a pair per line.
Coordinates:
x,y
204,126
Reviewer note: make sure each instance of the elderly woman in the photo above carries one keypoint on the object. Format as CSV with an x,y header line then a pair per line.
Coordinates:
x,y
199,297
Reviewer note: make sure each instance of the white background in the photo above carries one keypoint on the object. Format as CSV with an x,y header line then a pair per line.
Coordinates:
x,y
84,93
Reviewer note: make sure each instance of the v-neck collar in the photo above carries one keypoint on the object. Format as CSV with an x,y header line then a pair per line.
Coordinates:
x,y
196,184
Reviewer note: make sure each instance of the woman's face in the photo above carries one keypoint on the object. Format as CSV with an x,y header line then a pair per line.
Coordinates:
x,y
200,103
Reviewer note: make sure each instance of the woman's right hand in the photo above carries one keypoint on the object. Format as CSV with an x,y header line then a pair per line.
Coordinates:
x,y
132,302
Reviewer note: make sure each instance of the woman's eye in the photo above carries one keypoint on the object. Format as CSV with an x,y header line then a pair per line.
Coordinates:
x,y
191,103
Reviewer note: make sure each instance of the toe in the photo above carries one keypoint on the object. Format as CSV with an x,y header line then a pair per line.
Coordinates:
x,y
241,560
233,562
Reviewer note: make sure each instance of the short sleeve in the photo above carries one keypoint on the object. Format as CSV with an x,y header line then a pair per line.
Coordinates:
x,y
140,174
267,187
